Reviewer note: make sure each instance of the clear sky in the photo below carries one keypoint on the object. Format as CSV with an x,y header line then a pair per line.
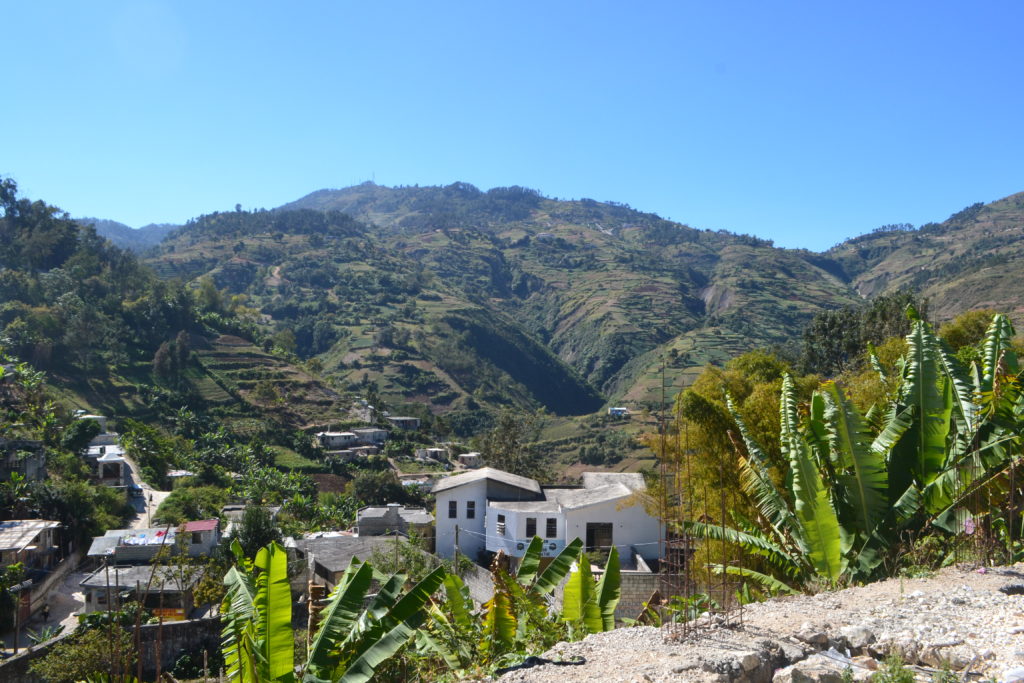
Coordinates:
x,y
805,122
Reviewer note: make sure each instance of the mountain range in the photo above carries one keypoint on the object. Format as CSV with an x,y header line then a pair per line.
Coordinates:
x,y
452,298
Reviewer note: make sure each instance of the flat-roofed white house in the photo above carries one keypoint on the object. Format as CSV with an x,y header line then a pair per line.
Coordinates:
x,y
373,436
333,441
495,510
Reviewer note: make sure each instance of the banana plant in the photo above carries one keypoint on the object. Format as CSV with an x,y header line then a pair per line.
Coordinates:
x,y
588,606
351,641
945,443
517,619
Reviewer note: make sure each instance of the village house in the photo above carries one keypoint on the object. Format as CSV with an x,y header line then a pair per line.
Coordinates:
x,y
409,424
25,457
618,411
334,441
392,518
438,454
471,460
371,436
32,542
166,591
129,546
490,510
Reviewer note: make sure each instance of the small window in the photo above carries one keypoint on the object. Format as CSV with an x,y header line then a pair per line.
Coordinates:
x,y
552,528
197,537
501,525
531,527
470,509
453,509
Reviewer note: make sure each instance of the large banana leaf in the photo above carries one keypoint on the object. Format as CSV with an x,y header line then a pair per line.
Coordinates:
x,y
767,582
499,624
609,590
966,411
819,521
757,482
789,430
579,598
753,544
863,479
998,344
403,620
530,563
274,639
337,619
931,396
237,610
559,567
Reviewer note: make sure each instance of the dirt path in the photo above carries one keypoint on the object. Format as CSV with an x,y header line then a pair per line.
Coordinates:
x,y
150,500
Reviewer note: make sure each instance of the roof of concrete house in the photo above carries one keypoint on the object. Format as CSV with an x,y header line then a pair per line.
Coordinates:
x,y
200,525
410,515
105,545
139,575
335,553
571,499
110,457
487,473
634,481
18,534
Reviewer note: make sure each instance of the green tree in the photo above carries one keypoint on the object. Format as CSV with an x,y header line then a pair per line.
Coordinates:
x,y
512,445
86,654
257,529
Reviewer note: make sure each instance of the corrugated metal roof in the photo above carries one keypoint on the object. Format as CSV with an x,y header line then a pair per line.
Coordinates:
x,y
200,525
18,534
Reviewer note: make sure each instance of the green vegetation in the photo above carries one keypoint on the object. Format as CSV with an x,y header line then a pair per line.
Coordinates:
x,y
935,457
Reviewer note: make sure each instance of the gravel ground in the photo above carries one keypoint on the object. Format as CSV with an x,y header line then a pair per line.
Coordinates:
x,y
959,616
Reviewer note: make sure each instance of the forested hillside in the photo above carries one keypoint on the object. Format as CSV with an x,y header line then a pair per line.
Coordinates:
x,y
455,298
114,337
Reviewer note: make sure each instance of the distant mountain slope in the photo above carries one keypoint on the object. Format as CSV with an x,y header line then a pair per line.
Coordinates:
x,y
126,237
451,296
972,260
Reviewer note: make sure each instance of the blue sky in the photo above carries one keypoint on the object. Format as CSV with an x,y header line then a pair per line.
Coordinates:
x,y
805,123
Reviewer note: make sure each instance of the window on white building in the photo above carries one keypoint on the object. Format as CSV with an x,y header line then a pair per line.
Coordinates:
x,y
552,528
453,509
470,509
531,527
501,525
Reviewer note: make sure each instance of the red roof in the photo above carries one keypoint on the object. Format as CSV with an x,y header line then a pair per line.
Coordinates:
x,y
201,525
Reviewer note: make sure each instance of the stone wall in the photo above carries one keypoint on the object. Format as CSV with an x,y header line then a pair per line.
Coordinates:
x,y
171,640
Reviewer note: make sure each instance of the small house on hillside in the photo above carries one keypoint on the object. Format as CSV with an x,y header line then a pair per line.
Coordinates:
x,y
472,460
371,436
409,424
333,441
618,411
22,456
131,546
32,542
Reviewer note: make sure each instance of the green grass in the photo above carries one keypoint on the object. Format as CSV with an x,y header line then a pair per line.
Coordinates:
x,y
286,458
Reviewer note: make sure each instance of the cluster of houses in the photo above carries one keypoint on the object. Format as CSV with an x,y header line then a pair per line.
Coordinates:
x,y
478,513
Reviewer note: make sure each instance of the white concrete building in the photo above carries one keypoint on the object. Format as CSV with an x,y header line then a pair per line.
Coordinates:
x,y
333,441
495,510
461,501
